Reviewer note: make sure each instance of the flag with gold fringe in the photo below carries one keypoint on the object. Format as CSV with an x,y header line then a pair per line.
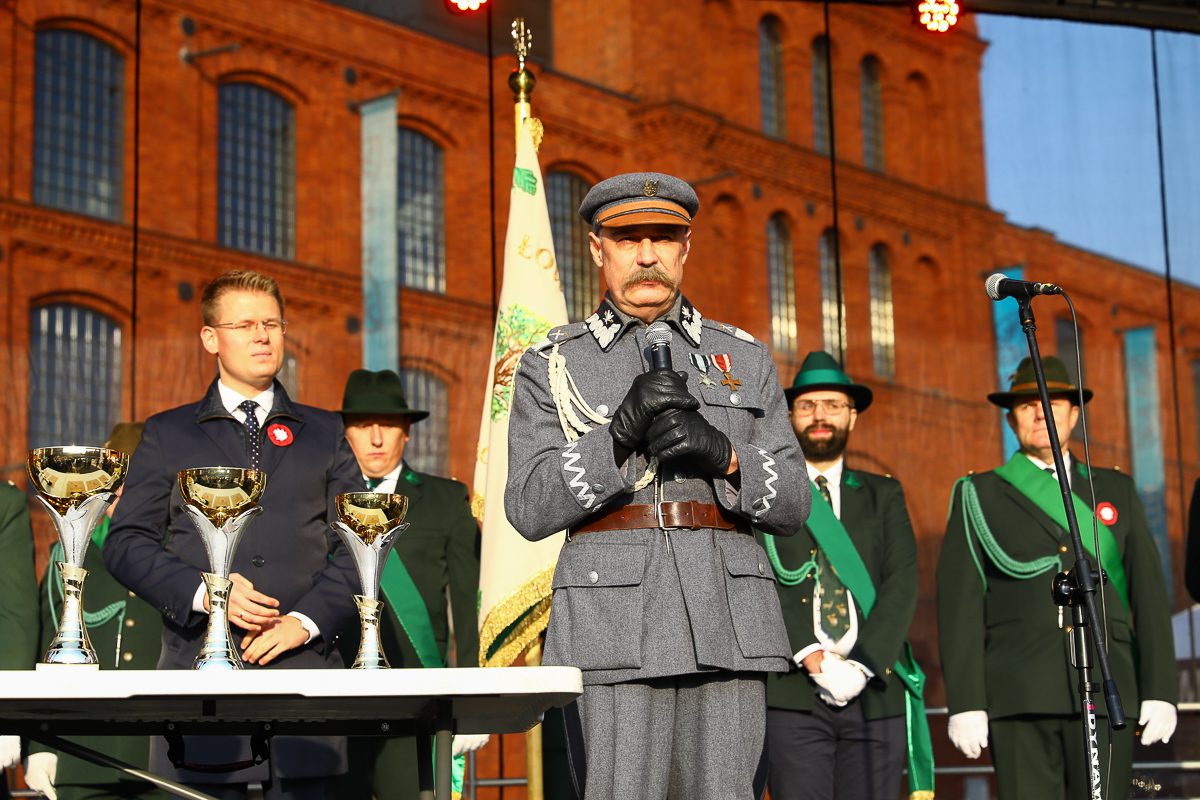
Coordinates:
x,y
515,574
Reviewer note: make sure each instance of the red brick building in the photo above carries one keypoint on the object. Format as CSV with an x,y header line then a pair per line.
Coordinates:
x,y
724,93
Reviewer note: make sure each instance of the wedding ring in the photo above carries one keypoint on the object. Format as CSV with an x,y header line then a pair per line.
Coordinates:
x,y
242,613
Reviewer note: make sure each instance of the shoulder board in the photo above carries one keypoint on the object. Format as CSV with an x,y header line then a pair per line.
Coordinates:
x,y
731,330
560,334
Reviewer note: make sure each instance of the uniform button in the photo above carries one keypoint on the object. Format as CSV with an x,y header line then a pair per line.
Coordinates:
x,y
803,599
127,656
1062,549
680,477
597,487
131,594
258,561
761,569
759,503
593,577
129,623
602,410
887,671
733,398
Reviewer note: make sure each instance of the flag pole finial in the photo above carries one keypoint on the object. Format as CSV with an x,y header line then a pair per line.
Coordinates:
x,y
522,81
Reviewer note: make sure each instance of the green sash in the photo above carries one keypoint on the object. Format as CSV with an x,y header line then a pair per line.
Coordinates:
x,y
1041,488
832,538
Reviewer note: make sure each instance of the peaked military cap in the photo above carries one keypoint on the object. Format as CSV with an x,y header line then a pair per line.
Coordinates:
x,y
377,393
1024,383
821,371
640,198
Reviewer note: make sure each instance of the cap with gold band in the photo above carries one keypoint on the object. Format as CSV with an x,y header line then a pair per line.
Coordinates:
x,y
640,198
1023,383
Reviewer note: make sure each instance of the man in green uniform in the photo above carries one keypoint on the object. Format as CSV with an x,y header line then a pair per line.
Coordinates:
x,y
440,548
18,603
847,633
126,633
1005,655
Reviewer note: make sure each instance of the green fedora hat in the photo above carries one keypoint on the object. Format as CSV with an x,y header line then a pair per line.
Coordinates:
x,y
377,393
1023,382
821,371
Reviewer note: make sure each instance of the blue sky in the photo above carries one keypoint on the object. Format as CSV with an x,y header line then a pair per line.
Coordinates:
x,y
1070,138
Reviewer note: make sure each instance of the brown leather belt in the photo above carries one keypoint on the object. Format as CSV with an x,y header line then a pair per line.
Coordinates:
x,y
688,514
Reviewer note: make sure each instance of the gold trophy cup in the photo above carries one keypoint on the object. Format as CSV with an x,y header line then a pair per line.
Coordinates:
x,y
220,501
369,523
76,485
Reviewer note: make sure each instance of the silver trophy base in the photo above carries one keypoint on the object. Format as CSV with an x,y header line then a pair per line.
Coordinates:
x,y
217,653
71,646
370,649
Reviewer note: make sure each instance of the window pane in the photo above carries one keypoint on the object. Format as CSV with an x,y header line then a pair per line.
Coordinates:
x,y
834,334
770,77
289,375
428,447
872,115
420,213
74,376
79,115
579,275
1064,332
883,332
256,171
782,280
820,93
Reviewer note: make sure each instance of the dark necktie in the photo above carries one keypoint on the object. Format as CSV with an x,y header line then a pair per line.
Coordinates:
x,y
373,483
835,610
251,423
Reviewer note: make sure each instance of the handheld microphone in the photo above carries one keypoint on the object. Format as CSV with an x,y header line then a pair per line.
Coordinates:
x,y
659,337
999,286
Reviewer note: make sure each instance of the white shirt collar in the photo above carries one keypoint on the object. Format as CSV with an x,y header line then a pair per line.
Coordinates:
x,y
232,399
1037,462
833,474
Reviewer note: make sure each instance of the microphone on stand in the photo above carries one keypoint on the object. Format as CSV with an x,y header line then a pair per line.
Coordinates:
x,y
658,335
1000,286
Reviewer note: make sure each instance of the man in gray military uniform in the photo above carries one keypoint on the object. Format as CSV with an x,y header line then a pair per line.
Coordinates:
x,y
661,595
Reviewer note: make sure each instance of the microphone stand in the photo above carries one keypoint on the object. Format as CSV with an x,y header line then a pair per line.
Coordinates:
x,y
1077,588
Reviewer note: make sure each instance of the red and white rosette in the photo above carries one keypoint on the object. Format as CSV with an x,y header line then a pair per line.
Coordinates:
x,y
1106,513
280,435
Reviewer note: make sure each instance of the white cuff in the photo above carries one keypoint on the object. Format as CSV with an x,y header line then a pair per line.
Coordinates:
x,y
198,600
805,653
309,625
862,667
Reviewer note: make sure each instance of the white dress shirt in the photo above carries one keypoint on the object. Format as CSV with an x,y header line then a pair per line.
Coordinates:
x,y
388,484
231,400
1037,462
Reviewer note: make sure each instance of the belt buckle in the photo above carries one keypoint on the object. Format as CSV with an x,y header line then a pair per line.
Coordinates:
x,y
658,501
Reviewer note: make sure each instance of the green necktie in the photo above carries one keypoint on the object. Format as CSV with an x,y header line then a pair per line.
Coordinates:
x,y
373,482
835,609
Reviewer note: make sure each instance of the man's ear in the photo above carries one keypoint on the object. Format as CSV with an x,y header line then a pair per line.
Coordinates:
x,y
687,245
853,418
594,247
208,337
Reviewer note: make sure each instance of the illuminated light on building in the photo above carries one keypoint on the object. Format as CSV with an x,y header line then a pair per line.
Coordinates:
x,y
938,16
464,6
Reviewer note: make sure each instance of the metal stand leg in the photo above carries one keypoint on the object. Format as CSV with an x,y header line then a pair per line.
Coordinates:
x,y
424,763
444,726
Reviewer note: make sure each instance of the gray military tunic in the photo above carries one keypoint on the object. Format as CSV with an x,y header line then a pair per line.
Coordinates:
x,y
631,605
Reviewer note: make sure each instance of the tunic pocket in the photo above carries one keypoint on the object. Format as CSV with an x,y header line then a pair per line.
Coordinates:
x,y
753,601
596,616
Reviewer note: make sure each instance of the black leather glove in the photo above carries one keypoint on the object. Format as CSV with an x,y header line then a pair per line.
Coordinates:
x,y
651,394
686,434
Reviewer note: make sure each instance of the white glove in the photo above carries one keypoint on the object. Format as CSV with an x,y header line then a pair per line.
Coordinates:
x,y
40,771
1157,721
839,681
969,732
468,743
10,751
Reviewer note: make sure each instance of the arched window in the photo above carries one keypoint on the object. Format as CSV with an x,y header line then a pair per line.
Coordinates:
x,y
79,115
74,376
782,281
872,115
833,307
770,77
420,213
820,94
256,172
428,448
883,329
579,276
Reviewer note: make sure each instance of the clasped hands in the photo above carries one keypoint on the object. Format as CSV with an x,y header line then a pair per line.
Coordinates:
x,y
838,680
269,634
661,416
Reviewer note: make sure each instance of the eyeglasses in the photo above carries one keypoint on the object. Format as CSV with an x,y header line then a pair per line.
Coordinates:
x,y
250,326
829,406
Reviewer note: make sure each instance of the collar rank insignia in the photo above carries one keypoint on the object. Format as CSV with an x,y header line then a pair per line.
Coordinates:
x,y
690,320
650,189
701,364
604,325
724,364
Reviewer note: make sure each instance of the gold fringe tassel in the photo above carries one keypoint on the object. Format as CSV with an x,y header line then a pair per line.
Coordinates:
x,y
533,594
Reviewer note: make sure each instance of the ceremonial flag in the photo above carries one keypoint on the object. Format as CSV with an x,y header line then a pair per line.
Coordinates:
x,y
515,574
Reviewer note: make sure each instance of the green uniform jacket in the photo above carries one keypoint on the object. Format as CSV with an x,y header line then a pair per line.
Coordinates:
x,y
18,582
440,547
876,518
141,641
1001,648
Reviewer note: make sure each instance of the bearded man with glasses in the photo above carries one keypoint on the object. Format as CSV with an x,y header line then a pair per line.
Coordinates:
x,y
293,579
836,722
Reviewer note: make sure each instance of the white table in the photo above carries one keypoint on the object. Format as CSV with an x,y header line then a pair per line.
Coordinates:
x,y
70,701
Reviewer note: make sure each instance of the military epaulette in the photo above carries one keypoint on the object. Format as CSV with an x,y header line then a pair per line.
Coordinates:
x,y
560,334
731,330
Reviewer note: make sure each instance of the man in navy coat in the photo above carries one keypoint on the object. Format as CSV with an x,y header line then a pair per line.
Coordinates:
x,y
293,578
